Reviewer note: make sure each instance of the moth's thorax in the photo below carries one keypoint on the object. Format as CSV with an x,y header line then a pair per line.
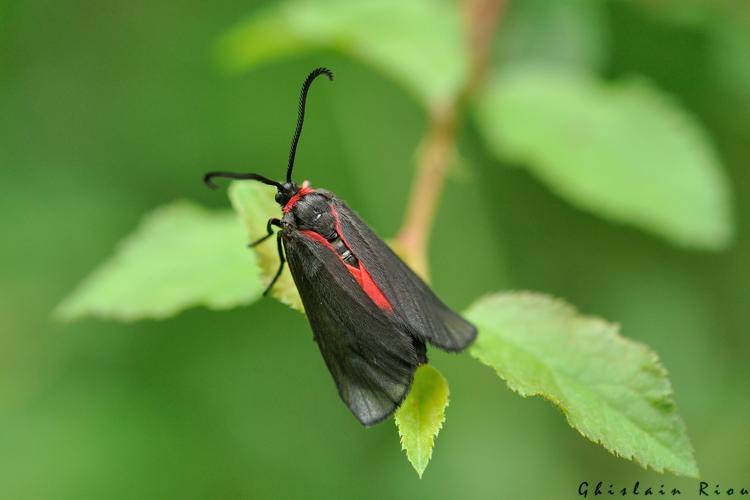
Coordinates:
x,y
314,216
313,212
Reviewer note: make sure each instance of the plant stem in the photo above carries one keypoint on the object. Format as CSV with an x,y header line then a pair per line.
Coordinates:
x,y
435,151
438,145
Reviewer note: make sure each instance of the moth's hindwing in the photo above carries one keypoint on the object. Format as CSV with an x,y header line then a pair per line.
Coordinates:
x,y
413,302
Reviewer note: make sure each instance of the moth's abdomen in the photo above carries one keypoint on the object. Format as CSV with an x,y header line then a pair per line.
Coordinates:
x,y
340,248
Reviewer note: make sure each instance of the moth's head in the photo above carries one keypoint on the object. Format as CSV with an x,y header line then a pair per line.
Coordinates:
x,y
284,192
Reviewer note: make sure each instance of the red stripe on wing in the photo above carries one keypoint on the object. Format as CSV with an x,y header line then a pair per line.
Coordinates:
x,y
360,274
370,287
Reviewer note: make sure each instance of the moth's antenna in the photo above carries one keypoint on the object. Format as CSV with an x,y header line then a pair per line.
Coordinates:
x,y
301,116
231,175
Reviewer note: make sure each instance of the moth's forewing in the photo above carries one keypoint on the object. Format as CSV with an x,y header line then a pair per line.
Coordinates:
x,y
370,355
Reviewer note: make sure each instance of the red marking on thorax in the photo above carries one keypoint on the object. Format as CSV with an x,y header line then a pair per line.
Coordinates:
x,y
360,273
303,191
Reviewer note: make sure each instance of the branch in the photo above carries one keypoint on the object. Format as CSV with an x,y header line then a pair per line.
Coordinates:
x,y
438,145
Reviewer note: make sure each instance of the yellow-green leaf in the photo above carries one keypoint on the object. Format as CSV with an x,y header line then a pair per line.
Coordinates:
x,y
254,202
421,416
181,255
614,391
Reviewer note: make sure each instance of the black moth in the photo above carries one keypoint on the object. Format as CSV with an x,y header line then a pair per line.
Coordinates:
x,y
370,314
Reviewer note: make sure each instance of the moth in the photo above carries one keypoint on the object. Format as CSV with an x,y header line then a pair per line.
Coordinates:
x,y
370,314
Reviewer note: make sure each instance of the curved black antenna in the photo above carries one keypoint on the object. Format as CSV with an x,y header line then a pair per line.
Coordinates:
x,y
231,175
301,115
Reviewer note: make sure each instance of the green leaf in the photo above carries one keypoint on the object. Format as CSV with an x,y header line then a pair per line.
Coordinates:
x,y
254,202
729,35
269,34
685,13
624,151
570,33
418,43
180,256
421,416
614,391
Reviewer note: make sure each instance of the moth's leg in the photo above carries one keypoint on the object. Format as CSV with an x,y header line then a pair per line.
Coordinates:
x,y
282,261
273,221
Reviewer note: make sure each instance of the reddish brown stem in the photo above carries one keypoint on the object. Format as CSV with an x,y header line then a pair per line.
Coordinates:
x,y
439,142
435,151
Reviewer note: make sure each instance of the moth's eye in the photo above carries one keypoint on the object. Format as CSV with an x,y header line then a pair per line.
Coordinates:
x,y
279,197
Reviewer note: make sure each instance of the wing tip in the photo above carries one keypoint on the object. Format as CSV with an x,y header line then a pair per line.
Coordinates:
x,y
467,337
369,422
379,419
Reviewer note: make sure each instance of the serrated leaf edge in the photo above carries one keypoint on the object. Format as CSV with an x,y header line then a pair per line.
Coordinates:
x,y
422,467
613,328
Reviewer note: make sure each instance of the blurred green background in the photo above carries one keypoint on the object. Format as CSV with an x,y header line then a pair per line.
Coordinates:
x,y
110,109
